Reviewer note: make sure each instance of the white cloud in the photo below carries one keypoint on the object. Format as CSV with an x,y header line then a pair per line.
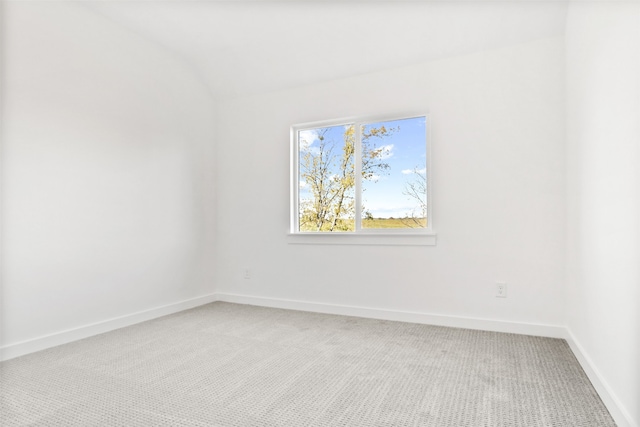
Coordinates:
x,y
422,171
386,151
302,184
306,138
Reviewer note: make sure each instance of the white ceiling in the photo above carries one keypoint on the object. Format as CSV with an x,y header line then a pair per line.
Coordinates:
x,y
243,47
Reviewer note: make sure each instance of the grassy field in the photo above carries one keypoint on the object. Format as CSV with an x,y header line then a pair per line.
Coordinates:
x,y
375,223
394,223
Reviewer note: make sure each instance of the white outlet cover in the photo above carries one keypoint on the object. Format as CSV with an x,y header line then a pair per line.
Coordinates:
x,y
501,290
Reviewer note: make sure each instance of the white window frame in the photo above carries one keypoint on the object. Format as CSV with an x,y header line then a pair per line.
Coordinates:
x,y
367,236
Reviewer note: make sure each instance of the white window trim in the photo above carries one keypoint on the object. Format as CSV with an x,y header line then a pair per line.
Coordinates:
x,y
404,237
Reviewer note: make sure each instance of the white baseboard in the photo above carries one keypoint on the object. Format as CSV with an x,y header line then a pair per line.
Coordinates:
x,y
620,415
401,316
11,351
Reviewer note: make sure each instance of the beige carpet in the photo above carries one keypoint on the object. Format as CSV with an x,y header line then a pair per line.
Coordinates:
x,y
235,365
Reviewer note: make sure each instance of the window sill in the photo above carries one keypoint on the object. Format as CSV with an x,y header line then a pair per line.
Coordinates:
x,y
373,239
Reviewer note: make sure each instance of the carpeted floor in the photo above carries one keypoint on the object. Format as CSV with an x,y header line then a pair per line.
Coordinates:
x,y
229,365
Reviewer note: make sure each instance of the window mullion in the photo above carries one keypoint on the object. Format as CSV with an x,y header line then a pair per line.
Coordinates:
x,y
358,176
295,181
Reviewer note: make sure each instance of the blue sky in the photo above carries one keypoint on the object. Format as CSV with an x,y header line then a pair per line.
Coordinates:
x,y
407,152
404,151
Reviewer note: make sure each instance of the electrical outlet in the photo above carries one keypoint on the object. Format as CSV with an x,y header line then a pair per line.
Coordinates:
x,y
246,273
501,290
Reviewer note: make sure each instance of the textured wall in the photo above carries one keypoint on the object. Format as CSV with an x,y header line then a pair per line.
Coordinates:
x,y
104,172
603,203
497,120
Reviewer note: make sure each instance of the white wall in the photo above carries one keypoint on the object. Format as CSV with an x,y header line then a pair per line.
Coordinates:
x,y
498,175
603,178
104,173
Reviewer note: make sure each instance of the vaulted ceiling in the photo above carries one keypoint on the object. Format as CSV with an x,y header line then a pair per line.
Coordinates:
x,y
243,47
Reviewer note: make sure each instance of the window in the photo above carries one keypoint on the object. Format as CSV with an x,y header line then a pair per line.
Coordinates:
x,y
365,176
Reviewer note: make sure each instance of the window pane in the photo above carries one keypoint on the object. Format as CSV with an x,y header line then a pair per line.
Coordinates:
x,y
326,179
394,174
